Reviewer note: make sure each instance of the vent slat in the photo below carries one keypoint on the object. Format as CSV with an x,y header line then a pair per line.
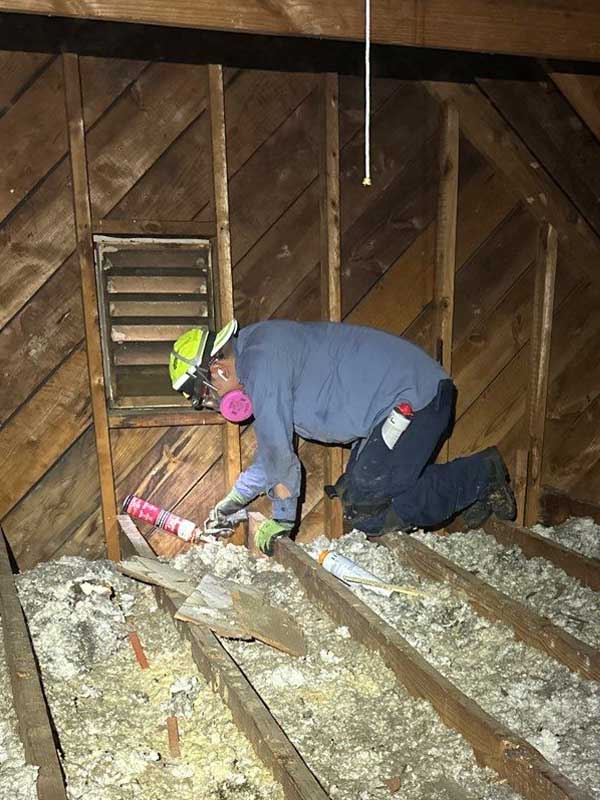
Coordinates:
x,y
147,333
196,309
125,284
142,353
171,258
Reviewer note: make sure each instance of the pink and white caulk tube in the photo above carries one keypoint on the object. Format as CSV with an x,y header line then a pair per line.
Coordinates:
x,y
141,509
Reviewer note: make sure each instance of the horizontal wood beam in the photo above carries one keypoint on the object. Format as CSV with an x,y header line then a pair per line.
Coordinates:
x,y
495,745
530,627
249,712
162,419
154,227
28,698
549,28
557,506
586,570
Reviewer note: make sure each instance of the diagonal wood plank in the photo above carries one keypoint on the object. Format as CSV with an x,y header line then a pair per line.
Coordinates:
x,y
487,130
62,406
583,93
39,236
548,125
18,69
40,111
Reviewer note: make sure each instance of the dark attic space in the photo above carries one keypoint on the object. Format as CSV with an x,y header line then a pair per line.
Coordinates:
x,y
300,400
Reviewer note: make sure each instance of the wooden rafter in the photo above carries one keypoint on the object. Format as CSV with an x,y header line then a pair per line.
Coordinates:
x,y
331,300
486,129
550,28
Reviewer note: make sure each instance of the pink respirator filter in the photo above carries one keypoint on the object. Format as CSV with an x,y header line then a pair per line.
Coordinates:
x,y
236,406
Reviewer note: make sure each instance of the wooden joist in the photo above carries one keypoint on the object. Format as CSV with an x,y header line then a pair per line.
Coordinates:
x,y
495,746
529,626
248,710
557,506
32,713
552,28
586,570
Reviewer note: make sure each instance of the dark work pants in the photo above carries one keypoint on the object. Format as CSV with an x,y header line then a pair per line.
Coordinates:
x,y
422,494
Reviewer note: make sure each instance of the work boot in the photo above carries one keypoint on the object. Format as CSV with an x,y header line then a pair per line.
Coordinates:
x,y
498,497
475,515
384,522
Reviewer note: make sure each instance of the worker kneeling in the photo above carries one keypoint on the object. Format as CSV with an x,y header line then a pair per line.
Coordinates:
x,y
340,384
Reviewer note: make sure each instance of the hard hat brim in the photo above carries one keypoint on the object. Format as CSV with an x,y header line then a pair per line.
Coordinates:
x,y
223,336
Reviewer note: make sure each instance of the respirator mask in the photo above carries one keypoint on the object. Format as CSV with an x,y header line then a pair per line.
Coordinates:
x,y
190,364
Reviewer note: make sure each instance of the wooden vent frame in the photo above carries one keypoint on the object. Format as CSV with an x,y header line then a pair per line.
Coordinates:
x,y
150,290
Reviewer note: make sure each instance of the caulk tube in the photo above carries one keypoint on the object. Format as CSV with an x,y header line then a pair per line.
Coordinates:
x,y
344,568
141,509
396,423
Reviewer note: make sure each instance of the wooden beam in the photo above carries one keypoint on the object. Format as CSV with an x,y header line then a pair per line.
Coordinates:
x,y
83,226
155,227
519,481
557,506
552,28
232,457
33,719
495,746
586,570
539,360
162,419
485,128
530,627
249,712
537,111
445,241
331,291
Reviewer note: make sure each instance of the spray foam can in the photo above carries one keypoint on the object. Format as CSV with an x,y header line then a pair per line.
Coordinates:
x,y
343,568
397,422
141,509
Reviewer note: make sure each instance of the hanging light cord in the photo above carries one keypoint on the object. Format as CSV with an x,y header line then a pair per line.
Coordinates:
x,y
367,178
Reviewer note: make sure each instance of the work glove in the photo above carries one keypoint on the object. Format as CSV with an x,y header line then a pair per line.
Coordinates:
x,y
222,518
229,505
270,530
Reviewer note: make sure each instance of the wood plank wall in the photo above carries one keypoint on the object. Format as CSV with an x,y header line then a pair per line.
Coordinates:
x,y
147,141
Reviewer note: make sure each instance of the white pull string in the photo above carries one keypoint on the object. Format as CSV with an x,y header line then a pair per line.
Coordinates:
x,y
367,178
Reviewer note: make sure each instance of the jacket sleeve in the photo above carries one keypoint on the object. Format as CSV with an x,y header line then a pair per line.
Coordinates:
x,y
251,482
271,390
